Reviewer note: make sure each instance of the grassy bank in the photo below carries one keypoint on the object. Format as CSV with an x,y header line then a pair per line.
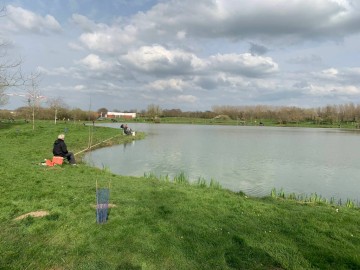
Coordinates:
x,y
154,224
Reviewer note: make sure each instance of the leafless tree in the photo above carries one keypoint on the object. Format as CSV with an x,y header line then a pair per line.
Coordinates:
x,y
10,70
34,97
10,74
154,111
56,104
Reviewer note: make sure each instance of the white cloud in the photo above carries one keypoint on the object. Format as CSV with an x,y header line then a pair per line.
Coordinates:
x,y
170,84
273,22
330,73
181,35
59,71
305,60
21,19
186,98
103,38
333,90
353,72
82,21
75,46
244,64
94,62
194,54
157,59
79,87
339,75
291,19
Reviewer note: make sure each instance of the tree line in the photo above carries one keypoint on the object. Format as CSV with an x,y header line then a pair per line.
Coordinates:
x,y
62,114
330,114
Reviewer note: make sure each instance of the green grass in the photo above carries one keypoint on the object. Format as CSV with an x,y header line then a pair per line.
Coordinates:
x,y
155,224
314,197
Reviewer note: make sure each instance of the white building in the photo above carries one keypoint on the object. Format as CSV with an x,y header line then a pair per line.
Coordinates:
x,y
113,115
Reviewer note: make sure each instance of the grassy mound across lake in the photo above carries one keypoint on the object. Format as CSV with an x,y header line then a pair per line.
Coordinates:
x,y
155,224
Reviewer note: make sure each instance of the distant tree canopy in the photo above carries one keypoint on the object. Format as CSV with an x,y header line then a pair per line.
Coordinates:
x,y
102,112
63,114
153,111
329,114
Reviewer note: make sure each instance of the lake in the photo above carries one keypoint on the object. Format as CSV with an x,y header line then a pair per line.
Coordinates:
x,y
241,158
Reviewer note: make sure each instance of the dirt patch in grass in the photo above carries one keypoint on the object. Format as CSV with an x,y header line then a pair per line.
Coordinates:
x,y
36,214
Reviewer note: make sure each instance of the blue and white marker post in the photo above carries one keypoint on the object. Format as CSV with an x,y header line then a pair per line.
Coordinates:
x,y
102,204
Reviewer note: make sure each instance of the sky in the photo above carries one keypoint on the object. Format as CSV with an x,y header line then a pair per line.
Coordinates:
x,y
185,54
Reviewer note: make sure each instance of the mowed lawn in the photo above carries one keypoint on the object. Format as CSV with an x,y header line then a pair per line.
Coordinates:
x,y
153,224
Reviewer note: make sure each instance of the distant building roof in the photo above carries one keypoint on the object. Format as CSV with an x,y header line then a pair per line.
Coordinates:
x,y
120,114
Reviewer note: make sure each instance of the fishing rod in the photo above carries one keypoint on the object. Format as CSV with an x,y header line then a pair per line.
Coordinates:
x,y
89,147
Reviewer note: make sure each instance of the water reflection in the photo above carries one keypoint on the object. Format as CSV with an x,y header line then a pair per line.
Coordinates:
x,y
250,159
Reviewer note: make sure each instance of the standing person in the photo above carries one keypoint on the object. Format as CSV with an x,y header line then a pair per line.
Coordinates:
x,y
60,149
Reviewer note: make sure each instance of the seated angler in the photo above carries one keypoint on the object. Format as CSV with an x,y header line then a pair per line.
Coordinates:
x,y
126,129
60,149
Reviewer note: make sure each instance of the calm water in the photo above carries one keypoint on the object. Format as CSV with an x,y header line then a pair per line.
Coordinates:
x,y
251,159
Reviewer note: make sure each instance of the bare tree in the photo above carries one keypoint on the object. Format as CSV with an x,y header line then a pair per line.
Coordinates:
x,y
10,70
34,96
10,74
153,110
56,104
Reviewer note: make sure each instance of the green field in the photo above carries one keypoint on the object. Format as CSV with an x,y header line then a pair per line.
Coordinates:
x,y
153,224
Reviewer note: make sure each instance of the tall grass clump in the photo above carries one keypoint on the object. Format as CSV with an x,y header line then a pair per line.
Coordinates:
x,y
181,178
150,176
350,203
201,182
105,168
215,184
312,198
153,176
